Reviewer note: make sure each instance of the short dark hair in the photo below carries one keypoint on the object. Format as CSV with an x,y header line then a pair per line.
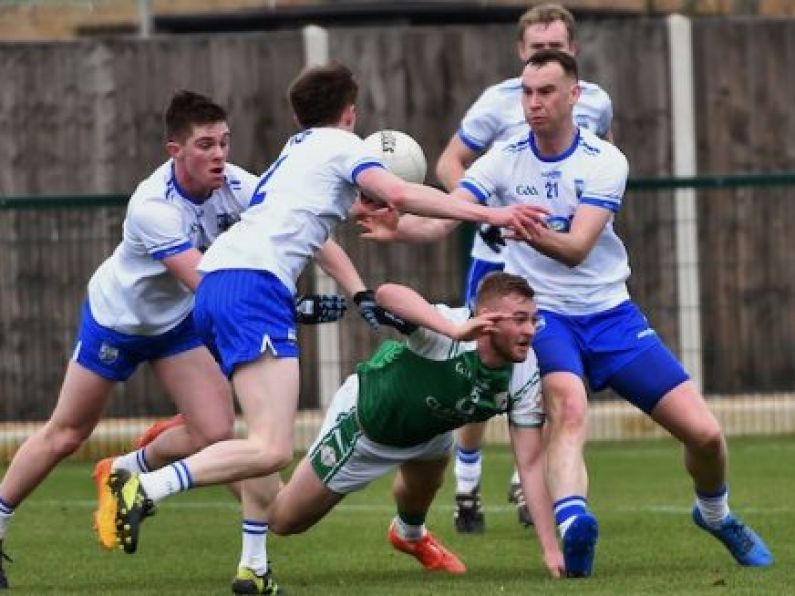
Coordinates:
x,y
546,14
499,284
566,61
319,94
188,109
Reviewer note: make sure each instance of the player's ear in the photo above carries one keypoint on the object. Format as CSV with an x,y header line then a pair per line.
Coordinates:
x,y
348,119
575,93
173,148
523,51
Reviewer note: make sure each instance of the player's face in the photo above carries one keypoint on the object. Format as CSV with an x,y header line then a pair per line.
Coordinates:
x,y
515,332
544,36
200,159
548,96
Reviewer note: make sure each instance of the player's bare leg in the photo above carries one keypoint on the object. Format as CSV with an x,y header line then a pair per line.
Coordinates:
x,y
685,414
414,488
82,400
566,405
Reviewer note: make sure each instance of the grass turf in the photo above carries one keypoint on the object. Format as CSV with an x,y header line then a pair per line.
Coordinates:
x,y
639,492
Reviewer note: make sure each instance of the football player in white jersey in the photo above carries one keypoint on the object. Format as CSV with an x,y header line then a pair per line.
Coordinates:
x,y
497,116
591,329
244,303
382,417
139,304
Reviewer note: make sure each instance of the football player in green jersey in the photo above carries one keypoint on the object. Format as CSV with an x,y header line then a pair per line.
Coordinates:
x,y
401,406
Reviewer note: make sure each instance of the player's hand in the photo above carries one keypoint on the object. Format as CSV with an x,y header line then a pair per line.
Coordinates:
x,y
492,236
521,220
554,564
377,221
312,309
476,326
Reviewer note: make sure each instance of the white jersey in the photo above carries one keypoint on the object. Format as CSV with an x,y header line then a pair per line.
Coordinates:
x,y
591,171
307,191
497,115
132,292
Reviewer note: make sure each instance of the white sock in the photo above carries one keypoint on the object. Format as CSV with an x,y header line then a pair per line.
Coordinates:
x,y
515,477
134,462
408,531
6,514
167,481
713,508
254,554
467,470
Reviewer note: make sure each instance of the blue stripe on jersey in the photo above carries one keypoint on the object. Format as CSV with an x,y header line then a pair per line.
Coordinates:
x,y
170,252
519,146
182,191
479,193
574,144
469,141
611,205
366,165
170,189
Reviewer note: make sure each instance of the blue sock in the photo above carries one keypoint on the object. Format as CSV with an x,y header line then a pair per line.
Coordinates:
x,y
567,509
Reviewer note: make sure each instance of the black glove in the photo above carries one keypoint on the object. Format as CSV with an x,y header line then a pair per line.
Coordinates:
x,y
312,309
387,317
377,316
492,236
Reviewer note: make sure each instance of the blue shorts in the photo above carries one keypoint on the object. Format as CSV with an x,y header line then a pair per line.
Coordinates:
x,y
241,313
478,270
615,348
115,356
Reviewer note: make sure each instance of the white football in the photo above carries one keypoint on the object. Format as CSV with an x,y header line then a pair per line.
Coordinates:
x,y
401,154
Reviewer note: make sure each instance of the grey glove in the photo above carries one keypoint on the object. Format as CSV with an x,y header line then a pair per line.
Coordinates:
x,y
312,309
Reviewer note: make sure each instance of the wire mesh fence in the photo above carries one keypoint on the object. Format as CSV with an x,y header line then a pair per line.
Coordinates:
x,y
743,353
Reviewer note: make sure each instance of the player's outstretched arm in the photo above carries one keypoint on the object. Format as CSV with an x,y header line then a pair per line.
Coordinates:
x,y
380,184
528,449
411,307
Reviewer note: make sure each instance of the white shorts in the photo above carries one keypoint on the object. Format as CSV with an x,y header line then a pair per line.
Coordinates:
x,y
347,461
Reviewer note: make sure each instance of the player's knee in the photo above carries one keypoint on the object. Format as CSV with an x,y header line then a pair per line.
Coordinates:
x,y
283,525
569,416
64,441
708,440
272,458
218,430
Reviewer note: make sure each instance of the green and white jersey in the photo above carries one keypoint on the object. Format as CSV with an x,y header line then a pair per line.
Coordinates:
x,y
412,391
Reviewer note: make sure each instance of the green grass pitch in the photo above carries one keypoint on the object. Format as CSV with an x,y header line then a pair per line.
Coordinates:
x,y
639,491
